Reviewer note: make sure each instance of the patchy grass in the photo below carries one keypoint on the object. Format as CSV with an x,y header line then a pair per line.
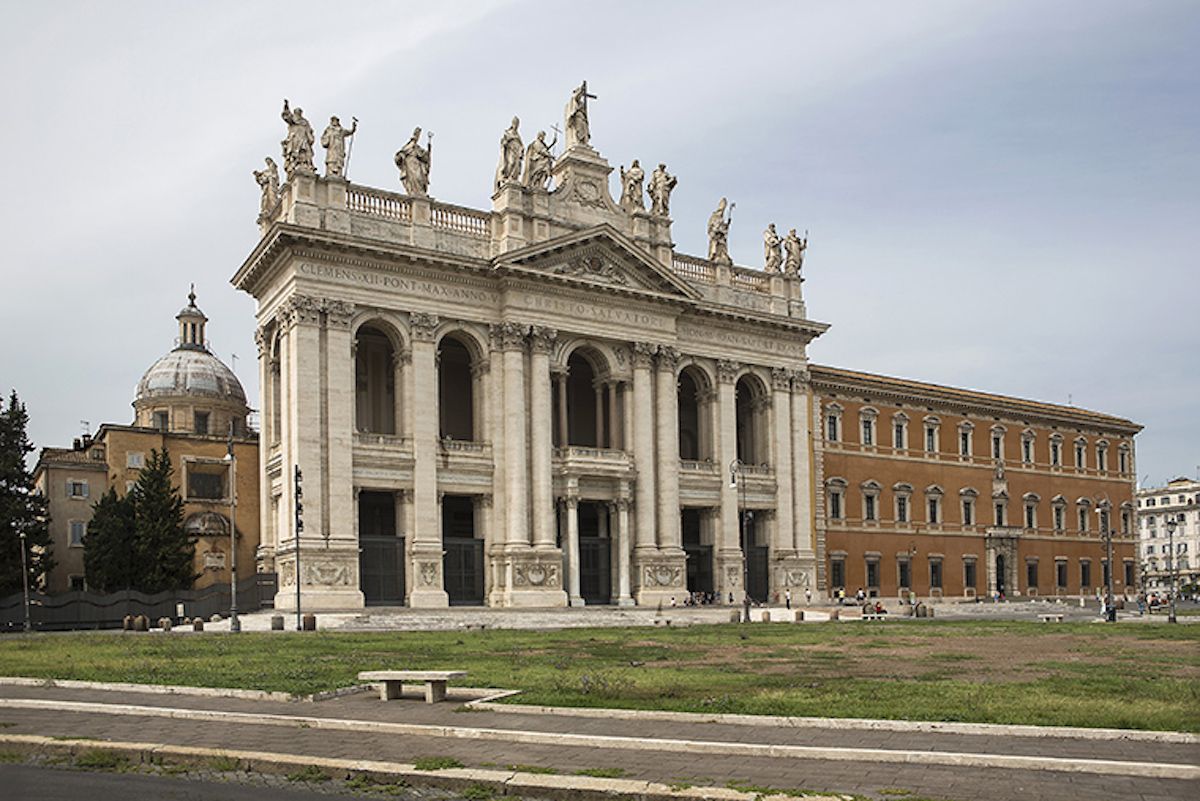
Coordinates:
x,y
311,774
601,773
436,763
99,759
1123,676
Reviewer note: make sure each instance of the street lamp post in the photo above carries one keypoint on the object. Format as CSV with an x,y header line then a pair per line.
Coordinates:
x,y
235,625
737,480
25,583
1171,524
1110,611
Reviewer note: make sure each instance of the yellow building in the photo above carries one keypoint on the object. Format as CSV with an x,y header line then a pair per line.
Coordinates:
x,y
190,403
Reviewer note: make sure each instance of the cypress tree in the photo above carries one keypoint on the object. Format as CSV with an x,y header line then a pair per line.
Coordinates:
x,y
163,553
22,508
108,548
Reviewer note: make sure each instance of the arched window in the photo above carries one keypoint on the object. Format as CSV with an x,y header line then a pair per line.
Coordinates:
x,y
751,424
375,381
456,390
694,440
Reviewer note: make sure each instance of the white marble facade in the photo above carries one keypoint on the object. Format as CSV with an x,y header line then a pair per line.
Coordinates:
x,y
536,405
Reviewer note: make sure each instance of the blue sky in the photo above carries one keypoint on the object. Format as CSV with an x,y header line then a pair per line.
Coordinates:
x,y
1002,196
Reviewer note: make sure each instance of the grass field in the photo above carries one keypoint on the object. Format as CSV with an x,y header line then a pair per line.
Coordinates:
x,y
1125,676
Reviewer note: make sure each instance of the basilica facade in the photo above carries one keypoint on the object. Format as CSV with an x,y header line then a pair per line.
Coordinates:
x,y
540,404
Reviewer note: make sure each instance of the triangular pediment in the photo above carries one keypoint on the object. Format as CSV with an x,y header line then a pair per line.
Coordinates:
x,y
601,255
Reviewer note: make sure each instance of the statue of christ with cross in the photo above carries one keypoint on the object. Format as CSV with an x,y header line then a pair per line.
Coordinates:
x,y
577,116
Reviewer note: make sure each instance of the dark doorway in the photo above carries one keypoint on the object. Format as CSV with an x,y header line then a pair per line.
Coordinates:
x,y
595,554
380,551
456,403
1001,583
462,562
375,382
757,583
689,417
699,555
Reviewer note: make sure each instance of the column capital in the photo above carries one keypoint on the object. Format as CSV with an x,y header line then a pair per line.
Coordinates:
x,y
668,357
484,500
262,340
570,501
338,313
643,354
400,358
727,370
299,310
781,379
801,378
508,335
423,326
542,338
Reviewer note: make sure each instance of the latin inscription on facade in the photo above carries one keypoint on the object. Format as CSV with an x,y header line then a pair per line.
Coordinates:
x,y
580,310
690,333
400,283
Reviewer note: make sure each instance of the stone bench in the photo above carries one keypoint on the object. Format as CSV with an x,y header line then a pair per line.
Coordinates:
x,y
1051,617
390,682
873,616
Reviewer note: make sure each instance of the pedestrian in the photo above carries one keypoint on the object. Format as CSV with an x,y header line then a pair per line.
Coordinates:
x,y
807,596
746,608
787,595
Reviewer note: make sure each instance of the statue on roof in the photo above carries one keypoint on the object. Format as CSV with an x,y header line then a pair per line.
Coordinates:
x,y
298,144
632,195
660,187
414,162
578,130
268,182
334,142
539,161
511,153
794,247
771,249
718,234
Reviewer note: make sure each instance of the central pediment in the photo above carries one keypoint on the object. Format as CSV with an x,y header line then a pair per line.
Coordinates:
x,y
600,255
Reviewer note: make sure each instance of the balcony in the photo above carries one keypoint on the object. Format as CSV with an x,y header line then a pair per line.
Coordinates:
x,y
579,460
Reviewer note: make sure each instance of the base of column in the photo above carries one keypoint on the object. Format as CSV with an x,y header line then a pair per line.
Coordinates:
x,y
329,579
795,571
659,576
427,588
530,579
730,568
626,602
576,601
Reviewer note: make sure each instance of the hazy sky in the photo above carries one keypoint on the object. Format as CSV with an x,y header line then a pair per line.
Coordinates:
x,y
1000,195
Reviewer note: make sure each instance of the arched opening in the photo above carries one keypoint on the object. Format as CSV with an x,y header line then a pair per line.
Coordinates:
x,y
456,390
750,427
690,444
275,378
375,381
585,404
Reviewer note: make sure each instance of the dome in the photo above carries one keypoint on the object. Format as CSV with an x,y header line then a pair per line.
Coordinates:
x,y
190,372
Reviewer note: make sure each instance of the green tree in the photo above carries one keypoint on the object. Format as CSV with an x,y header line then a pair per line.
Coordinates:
x,y
108,557
163,553
22,508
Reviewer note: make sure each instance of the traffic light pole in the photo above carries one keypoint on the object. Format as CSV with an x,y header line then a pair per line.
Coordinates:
x,y
299,527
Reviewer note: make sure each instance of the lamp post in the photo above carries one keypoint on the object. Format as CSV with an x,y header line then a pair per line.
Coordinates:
x,y
1110,611
235,625
737,480
25,583
1171,524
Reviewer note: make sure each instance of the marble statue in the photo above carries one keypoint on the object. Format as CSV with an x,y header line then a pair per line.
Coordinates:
x,y
578,131
771,250
298,145
718,234
511,153
414,162
794,247
632,195
538,162
268,181
334,142
660,187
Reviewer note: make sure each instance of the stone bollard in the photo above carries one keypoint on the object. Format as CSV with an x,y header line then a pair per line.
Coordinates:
x,y
127,623
276,622
735,616
766,616
309,622
921,610
799,616
1082,602
164,623
216,618
834,613
141,623
931,611
197,625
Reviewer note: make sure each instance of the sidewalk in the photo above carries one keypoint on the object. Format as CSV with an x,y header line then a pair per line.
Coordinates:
x,y
832,757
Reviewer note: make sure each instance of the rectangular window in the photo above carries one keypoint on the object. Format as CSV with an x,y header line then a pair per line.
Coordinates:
x,y
969,573
1056,454
77,583
1129,581
1080,456
206,482
935,574
201,422
835,505
1060,574
831,427
868,432
905,573
930,439
1083,520
1085,576
77,489
873,573
869,507
135,460
898,436
968,512
1027,451
78,532
837,573
1060,518
998,514
964,443
902,510
162,420
1030,516
1102,459
997,446
1124,521
1031,577
1123,461
934,508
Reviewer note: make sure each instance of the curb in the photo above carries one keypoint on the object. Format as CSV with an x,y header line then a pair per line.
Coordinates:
x,y
860,724
509,783
1108,767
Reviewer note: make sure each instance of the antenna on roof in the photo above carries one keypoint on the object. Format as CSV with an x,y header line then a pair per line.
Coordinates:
x,y
86,426
233,357
1070,399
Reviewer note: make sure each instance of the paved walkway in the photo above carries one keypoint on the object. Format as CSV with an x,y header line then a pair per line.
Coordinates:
x,y
831,758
